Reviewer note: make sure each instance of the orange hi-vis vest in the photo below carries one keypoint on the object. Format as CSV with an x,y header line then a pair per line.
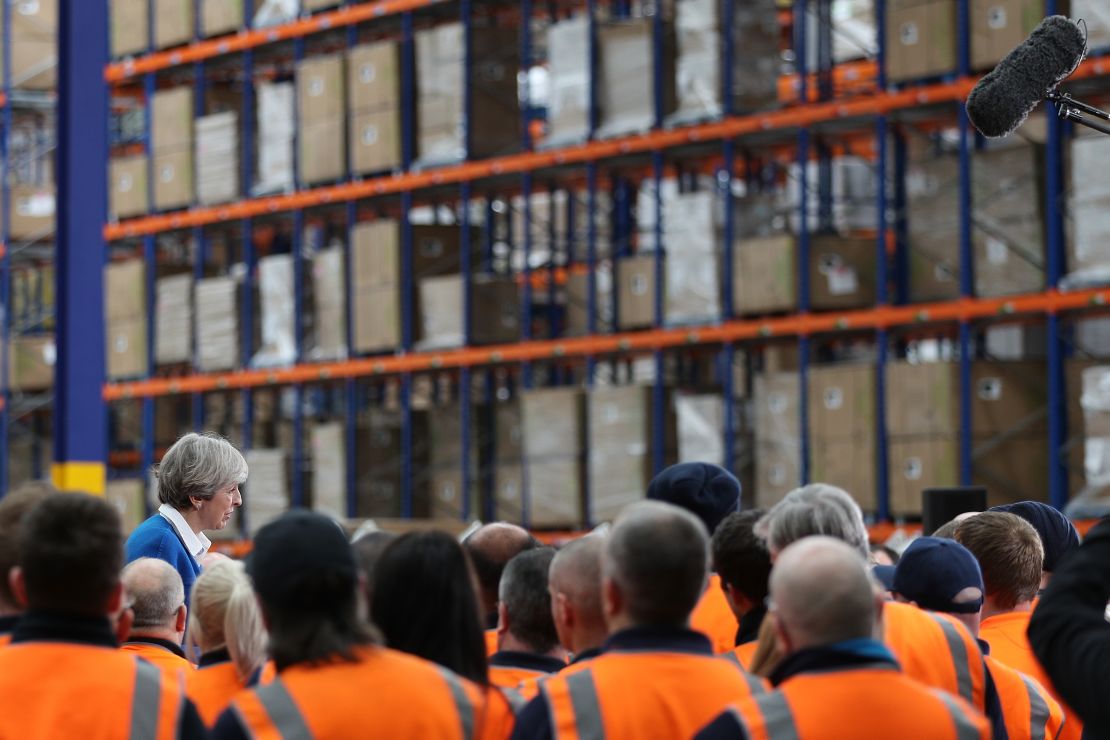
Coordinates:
x,y
65,690
1006,634
507,677
868,702
643,694
742,655
211,689
714,618
491,642
394,694
172,665
936,650
1028,710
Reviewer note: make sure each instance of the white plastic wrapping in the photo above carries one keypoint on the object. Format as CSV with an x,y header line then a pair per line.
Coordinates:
x,y
329,469
267,494
274,12
854,34
854,195
1096,13
441,76
276,105
276,290
217,326
568,111
1094,500
1089,259
330,294
217,142
701,420
173,325
625,77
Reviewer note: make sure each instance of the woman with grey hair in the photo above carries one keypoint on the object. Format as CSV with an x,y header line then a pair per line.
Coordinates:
x,y
198,485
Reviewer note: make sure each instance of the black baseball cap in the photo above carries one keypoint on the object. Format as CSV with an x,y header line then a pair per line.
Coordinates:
x,y
302,559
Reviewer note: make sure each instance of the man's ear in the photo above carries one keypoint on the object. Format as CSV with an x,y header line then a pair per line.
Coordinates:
x,y
741,603
502,619
564,610
782,637
612,600
18,585
182,618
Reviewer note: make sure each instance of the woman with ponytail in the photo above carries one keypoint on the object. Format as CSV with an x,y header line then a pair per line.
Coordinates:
x,y
226,627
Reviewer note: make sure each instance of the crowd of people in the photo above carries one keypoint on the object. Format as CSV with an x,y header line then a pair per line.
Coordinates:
x,y
687,618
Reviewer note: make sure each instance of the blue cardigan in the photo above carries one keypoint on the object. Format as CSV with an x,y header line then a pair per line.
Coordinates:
x,y
156,538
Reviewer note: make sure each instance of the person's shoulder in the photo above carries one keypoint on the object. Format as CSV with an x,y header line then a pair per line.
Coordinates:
x,y
154,538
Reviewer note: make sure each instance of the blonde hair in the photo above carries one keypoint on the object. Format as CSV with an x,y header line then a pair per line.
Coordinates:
x,y
224,613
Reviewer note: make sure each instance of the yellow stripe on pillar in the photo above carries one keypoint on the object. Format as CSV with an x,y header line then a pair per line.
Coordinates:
x,y
80,477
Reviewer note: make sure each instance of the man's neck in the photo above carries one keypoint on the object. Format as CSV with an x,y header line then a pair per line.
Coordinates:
x,y
144,633
511,644
584,640
991,609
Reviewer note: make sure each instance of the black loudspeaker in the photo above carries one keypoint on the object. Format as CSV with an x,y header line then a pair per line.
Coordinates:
x,y
942,505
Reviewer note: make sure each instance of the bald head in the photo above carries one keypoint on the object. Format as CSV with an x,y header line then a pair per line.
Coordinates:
x,y
816,509
491,547
822,594
575,584
655,566
155,592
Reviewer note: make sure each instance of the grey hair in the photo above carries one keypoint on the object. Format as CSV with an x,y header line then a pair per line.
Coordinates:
x,y
198,466
658,555
816,509
154,592
523,592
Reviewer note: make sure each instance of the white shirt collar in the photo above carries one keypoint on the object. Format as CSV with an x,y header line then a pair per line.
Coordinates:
x,y
196,544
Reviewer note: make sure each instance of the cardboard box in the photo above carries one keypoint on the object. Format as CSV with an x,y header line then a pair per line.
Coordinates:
x,y
373,77
578,303
267,492
125,319
776,400
128,496
31,362
765,275
309,5
276,309
328,450
1005,396
554,492
625,79
130,27
34,52
841,272
217,302
217,158
322,149
128,194
275,113
221,16
330,299
375,141
568,116
173,180
31,212
508,492
921,38
508,444
126,349
173,322
841,401
321,89
997,26
778,471
174,22
377,318
917,463
848,463
495,311
636,292
171,126
554,422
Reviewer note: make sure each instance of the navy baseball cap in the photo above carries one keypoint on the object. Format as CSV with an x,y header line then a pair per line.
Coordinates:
x,y
932,572
708,491
1058,534
884,574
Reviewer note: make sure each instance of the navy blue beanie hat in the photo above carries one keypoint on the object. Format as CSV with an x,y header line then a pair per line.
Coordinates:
x,y
1058,534
708,491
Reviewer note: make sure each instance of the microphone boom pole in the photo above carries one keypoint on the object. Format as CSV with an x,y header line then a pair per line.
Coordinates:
x,y
1079,112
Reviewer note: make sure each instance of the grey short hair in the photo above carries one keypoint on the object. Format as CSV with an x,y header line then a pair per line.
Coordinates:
x,y
523,592
658,555
198,466
154,592
816,509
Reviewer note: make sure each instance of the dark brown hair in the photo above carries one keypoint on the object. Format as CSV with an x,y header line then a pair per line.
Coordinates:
x,y
1009,552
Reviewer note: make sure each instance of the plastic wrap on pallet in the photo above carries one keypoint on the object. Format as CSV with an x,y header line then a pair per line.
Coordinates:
x,y
568,110
330,295
276,106
1096,13
854,33
1094,499
625,78
173,327
329,468
275,12
854,195
267,495
275,291
701,423
441,75
217,142
217,323
1089,257
693,288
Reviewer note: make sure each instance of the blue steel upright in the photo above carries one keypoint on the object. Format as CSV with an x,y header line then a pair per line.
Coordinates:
x,y
80,430
967,257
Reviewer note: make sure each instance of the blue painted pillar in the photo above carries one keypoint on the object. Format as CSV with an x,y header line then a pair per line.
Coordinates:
x,y
80,429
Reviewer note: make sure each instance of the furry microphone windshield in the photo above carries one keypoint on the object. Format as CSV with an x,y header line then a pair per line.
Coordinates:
x,y
1005,97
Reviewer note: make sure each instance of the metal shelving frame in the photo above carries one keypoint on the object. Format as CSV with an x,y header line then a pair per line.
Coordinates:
x,y
806,129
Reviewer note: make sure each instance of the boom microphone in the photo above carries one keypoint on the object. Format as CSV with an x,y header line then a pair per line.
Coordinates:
x,y
1005,97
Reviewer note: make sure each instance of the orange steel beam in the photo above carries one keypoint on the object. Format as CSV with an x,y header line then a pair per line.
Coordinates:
x,y
199,51
882,317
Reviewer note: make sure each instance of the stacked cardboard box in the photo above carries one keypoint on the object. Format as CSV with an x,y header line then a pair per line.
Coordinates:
x,y
841,273
578,301
217,158
221,16
692,235
621,446
378,465
32,298
330,298
778,441
568,108
172,147
1095,404
1007,221
130,30
625,79
276,107
322,114
444,471
1089,255
217,323
126,319
701,423
34,38
841,412
554,435
495,311
921,38
508,460
329,468
31,362
997,26
374,95
636,292
174,22
1008,424
854,193
128,496
276,304
31,212
764,275
173,321
127,195
443,76
700,43
267,493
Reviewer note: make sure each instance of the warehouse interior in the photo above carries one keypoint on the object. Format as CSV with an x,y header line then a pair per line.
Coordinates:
x,y
458,260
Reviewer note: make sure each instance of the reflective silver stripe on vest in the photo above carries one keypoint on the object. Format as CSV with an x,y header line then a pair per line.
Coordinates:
x,y
733,658
515,698
958,650
587,707
145,702
462,702
777,717
1038,710
965,730
283,711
